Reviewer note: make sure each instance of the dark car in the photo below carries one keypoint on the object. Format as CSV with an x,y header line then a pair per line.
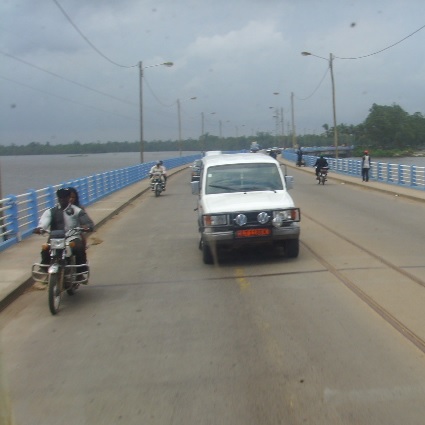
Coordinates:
x,y
195,170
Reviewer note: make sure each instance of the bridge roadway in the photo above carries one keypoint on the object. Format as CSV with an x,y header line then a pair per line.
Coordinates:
x,y
333,337
15,263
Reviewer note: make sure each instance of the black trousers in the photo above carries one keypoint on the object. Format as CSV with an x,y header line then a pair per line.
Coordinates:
x,y
365,174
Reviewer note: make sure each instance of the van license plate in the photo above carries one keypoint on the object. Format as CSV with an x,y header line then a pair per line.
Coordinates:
x,y
249,233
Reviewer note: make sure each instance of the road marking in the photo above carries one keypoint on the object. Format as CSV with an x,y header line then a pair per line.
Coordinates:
x,y
243,282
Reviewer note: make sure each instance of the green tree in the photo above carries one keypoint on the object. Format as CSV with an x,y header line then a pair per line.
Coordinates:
x,y
386,126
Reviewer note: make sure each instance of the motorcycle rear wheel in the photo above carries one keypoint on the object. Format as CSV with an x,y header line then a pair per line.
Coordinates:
x,y
55,292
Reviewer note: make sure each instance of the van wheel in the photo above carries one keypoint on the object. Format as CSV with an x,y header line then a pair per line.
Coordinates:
x,y
292,248
207,256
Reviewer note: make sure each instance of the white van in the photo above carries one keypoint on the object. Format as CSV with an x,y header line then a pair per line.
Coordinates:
x,y
243,200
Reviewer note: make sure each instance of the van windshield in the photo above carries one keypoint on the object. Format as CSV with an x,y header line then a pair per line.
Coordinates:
x,y
242,178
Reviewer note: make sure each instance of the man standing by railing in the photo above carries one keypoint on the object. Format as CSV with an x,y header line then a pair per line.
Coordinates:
x,y
365,166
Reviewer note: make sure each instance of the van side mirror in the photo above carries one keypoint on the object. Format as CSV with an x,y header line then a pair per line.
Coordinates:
x,y
289,181
195,187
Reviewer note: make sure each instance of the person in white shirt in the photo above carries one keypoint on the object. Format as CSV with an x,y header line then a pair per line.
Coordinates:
x,y
365,166
159,168
65,216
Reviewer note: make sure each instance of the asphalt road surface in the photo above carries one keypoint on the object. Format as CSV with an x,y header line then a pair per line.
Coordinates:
x,y
335,336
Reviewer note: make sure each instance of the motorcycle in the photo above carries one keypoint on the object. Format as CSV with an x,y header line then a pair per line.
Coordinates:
x,y
62,274
323,175
157,184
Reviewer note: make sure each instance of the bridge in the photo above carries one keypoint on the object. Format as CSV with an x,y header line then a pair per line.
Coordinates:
x,y
107,193
19,213
159,337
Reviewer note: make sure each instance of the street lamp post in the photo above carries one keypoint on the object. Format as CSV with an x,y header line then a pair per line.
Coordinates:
x,y
180,124
141,68
281,118
330,61
294,137
203,136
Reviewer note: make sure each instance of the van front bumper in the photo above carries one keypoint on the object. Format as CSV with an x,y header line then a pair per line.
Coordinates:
x,y
211,236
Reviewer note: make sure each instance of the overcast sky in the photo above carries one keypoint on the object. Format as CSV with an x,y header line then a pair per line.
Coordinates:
x,y
69,68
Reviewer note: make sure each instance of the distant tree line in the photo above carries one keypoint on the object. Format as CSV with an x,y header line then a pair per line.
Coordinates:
x,y
385,128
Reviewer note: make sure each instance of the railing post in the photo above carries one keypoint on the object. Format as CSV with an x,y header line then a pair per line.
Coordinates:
x,y
51,197
93,196
85,191
13,216
33,208
100,185
400,174
413,175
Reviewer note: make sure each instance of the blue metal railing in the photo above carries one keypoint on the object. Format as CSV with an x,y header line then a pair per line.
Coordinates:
x,y
19,213
410,176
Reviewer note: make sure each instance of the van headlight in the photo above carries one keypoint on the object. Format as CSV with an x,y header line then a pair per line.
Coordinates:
x,y
215,220
282,216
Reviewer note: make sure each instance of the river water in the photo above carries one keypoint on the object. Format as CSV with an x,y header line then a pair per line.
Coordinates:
x,y
24,172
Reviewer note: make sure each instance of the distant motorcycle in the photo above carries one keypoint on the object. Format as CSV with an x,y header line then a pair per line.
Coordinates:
x,y
323,175
157,184
62,274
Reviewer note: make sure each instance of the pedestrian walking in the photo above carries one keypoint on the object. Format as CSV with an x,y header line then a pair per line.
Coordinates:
x,y
365,166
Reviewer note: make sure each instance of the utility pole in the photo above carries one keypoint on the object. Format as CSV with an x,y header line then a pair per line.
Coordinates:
x,y
141,111
202,132
333,105
282,124
294,140
180,127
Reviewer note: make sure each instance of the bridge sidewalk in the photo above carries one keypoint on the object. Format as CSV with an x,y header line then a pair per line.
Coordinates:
x,y
16,261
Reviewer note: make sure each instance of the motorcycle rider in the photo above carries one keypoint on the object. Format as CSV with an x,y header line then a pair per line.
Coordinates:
x,y
65,216
74,199
320,163
159,168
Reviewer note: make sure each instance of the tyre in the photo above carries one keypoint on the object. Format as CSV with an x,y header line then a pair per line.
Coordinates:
x,y
207,256
157,189
292,248
55,291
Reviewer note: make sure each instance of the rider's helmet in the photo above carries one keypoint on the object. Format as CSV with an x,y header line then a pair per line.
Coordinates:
x,y
63,193
160,162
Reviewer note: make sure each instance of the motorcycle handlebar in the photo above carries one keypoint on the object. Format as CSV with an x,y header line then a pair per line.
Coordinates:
x,y
41,231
